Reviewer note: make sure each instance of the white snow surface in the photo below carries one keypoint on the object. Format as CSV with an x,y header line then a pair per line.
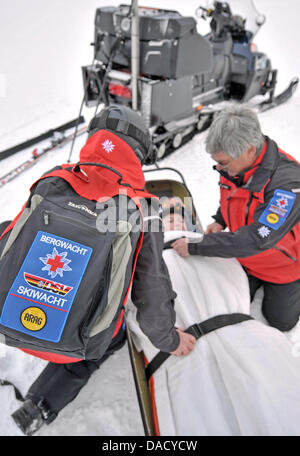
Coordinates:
x,y
43,46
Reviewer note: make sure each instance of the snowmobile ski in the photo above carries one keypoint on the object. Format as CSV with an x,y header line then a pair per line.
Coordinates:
x,y
280,98
30,142
57,141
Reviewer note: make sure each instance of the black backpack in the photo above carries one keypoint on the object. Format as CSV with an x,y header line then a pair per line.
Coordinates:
x,y
63,283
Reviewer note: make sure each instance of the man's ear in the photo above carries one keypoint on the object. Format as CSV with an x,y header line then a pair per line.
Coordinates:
x,y
252,153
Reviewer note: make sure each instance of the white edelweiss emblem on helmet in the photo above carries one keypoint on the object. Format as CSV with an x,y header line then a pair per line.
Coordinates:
x,y
263,231
108,146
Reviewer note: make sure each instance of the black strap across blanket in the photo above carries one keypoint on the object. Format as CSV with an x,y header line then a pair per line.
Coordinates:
x,y
198,330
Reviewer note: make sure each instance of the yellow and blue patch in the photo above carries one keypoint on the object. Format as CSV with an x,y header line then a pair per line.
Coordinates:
x,y
278,209
41,296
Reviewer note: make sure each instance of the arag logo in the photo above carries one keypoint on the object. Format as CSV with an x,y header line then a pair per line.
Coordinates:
x,y
272,218
33,318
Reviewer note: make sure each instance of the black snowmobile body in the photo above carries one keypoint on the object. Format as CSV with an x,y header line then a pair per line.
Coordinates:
x,y
181,72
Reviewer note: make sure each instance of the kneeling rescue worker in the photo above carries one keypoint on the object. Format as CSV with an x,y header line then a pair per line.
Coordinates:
x,y
120,142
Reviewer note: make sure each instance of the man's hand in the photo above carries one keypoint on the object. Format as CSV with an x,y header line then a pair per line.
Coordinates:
x,y
181,247
214,228
186,344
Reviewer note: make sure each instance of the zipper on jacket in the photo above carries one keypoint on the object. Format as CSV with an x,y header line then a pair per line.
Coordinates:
x,y
286,253
46,218
228,212
248,206
227,187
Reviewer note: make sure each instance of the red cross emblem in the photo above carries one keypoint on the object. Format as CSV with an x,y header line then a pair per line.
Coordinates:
x,y
282,202
55,263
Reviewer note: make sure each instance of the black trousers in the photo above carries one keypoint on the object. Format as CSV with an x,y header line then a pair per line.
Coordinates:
x,y
59,384
281,302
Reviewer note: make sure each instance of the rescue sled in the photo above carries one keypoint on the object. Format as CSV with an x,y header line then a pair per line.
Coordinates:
x,y
162,182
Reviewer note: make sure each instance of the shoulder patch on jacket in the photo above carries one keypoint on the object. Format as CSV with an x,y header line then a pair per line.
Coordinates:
x,y
278,209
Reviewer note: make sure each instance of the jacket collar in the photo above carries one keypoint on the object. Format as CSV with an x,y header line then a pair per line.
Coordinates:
x,y
266,169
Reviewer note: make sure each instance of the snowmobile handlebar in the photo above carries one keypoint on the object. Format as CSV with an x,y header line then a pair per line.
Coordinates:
x,y
222,20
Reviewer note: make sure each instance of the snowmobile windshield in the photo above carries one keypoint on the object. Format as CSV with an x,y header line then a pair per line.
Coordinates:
x,y
245,10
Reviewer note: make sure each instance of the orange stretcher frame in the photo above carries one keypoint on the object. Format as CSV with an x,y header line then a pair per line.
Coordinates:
x,y
146,390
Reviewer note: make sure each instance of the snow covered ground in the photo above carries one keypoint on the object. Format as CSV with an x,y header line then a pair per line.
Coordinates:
x,y
44,44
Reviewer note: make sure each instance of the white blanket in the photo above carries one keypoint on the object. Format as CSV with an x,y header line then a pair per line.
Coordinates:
x,y
240,379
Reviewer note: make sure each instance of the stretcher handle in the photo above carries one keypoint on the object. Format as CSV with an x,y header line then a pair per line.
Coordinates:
x,y
167,168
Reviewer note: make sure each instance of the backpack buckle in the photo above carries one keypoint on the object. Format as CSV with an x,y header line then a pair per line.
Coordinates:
x,y
80,173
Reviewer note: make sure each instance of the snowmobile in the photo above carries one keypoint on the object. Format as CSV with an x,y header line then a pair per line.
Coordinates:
x,y
155,61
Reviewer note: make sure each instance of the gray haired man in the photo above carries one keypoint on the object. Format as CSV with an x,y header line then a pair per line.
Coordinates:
x,y
260,211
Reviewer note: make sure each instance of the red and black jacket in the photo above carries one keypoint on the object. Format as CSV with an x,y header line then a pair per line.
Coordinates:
x,y
270,254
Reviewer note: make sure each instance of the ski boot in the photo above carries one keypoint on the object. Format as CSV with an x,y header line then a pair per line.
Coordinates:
x,y
31,417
